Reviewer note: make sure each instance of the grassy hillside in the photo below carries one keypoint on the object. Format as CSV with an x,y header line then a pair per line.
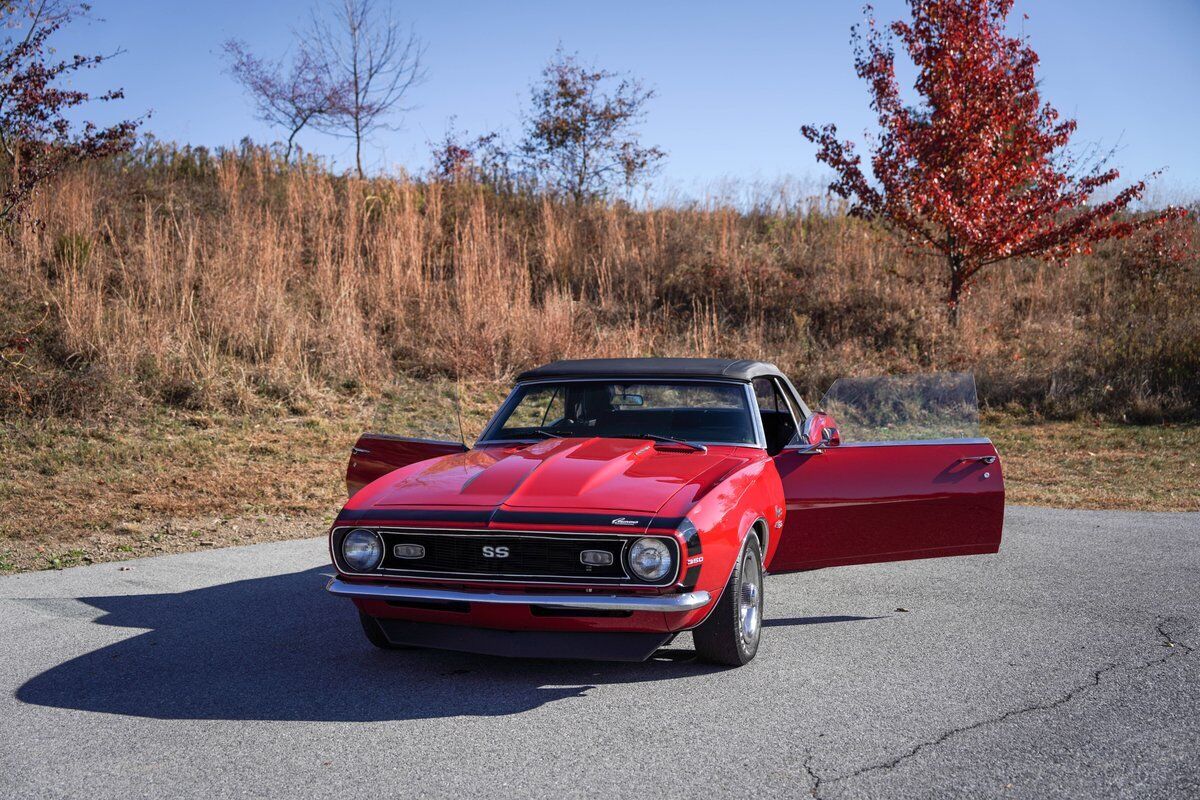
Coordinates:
x,y
180,279
191,343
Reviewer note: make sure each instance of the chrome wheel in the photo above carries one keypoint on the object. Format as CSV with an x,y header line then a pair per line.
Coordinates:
x,y
750,599
731,634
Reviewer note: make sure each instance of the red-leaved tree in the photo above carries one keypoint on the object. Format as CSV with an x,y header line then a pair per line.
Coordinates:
x,y
38,138
979,170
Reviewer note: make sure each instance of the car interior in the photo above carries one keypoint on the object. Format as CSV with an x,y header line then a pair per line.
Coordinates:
x,y
716,414
710,414
779,421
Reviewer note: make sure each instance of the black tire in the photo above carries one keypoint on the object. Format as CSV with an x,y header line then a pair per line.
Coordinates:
x,y
374,633
731,634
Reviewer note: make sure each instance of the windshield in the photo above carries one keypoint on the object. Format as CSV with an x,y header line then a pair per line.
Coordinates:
x,y
711,413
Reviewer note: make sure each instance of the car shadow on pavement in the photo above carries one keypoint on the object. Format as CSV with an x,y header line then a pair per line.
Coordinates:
x,y
280,648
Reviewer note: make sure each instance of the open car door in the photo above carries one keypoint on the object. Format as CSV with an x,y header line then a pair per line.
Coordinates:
x,y
413,435
376,454
907,476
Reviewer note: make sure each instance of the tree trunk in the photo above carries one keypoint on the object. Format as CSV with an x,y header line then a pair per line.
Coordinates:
x,y
358,149
359,98
956,287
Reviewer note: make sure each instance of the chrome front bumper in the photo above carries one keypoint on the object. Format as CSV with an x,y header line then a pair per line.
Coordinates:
x,y
689,601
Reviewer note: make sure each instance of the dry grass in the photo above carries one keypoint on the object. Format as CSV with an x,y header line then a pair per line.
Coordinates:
x,y
1099,465
80,493
166,481
234,282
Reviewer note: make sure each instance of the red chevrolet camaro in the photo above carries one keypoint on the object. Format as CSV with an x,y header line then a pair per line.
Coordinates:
x,y
612,503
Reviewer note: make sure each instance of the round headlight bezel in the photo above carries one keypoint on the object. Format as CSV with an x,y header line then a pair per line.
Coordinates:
x,y
666,560
371,541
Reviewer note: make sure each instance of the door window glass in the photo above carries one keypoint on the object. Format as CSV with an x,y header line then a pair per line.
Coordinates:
x,y
898,408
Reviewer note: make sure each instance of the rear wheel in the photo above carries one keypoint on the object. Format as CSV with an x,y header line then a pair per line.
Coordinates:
x,y
732,631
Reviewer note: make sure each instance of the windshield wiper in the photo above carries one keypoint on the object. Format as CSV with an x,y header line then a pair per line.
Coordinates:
x,y
656,437
549,434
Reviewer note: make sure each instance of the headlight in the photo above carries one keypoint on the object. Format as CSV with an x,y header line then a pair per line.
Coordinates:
x,y
650,559
362,550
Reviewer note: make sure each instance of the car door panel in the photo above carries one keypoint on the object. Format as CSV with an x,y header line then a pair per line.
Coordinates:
x,y
866,503
376,454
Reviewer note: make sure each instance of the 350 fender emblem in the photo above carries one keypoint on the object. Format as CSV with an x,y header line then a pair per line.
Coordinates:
x,y
623,521
694,560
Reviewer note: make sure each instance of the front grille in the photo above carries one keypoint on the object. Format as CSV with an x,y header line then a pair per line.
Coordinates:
x,y
528,556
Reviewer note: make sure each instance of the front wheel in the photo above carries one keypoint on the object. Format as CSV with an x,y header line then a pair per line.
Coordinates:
x,y
732,631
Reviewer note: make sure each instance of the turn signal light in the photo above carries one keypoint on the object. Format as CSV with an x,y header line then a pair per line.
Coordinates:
x,y
596,558
408,551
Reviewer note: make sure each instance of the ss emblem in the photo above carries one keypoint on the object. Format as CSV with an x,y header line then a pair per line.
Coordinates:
x,y
494,552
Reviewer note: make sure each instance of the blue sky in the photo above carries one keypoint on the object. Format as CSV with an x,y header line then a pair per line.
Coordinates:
x,y
735,81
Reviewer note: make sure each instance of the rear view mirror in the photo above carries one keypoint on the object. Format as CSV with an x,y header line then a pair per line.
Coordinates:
x,y
625,399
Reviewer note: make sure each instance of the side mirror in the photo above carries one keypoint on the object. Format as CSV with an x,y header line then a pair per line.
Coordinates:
x,y
830,437
821,430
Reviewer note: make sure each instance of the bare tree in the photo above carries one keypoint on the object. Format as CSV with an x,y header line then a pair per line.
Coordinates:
x,y
286,95
375,58
580,136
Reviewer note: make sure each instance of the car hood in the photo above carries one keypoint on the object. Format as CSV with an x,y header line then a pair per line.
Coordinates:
x,y
618,475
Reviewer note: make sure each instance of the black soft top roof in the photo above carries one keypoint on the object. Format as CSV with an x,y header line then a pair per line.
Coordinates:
x,y
723,368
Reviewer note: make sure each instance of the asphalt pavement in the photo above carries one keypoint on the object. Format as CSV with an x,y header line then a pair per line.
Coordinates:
x,y
1064,666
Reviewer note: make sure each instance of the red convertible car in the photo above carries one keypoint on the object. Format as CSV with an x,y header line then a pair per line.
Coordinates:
x,y
611,504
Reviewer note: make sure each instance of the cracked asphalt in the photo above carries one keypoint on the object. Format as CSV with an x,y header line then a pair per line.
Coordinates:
x,y
1065,666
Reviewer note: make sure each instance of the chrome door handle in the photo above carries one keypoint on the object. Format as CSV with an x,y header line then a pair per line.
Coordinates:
x,y
360,451
982,459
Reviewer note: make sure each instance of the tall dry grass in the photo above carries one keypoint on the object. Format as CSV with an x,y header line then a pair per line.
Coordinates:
x,y
230,280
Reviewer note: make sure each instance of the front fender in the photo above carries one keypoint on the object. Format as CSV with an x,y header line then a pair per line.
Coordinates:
x,y
723,518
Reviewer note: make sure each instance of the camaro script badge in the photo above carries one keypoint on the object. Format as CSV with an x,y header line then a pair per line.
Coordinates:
x,y
623,521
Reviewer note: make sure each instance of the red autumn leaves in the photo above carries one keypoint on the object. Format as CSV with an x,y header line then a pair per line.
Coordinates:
x,y
979,170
